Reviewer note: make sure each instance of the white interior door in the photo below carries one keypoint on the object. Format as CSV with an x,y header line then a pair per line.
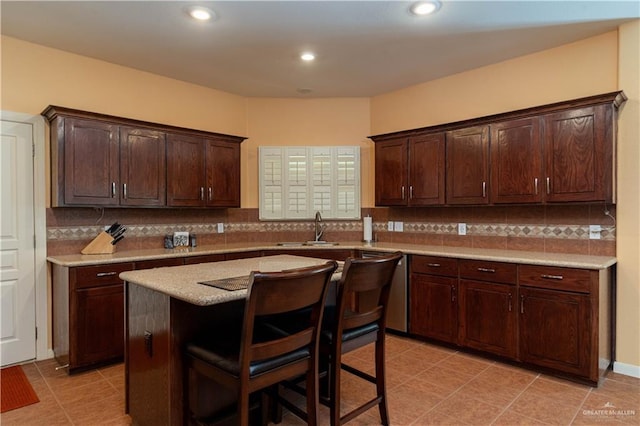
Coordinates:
x,y
17,244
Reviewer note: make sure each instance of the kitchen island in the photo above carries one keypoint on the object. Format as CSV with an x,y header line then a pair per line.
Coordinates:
x,y
167,307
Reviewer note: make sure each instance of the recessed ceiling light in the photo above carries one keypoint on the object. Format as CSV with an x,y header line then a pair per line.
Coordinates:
x,y
425,7
200,13
307,56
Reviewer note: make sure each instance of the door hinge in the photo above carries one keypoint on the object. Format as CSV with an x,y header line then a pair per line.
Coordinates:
x,y
36,333
34,240
33,150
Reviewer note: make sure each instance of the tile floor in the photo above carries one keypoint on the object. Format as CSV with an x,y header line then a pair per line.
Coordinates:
x,y
427,385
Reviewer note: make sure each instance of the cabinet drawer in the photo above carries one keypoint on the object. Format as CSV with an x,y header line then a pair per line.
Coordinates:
x,y
205,258
433,265
94,276
568,279
498,272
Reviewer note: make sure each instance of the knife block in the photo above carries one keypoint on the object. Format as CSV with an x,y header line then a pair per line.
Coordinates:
x,y
100,245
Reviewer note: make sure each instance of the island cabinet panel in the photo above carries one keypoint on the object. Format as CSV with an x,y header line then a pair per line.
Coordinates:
x,y
391,166
89,159
488,319
516,162
433,302
579,154
468,165
143,171
88,312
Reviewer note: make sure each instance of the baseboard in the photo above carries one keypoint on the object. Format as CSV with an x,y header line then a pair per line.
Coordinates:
x,y
627,369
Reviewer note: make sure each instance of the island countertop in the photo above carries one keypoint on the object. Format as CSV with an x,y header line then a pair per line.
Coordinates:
x,y
183,282
509,256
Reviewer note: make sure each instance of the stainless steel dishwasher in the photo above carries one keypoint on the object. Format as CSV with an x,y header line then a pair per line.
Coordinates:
x,y
397,310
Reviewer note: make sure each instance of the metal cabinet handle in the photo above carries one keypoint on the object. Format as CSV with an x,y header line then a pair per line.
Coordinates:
x,y
403,192
484,189
124,191
106,274
535,185
210,193
433,265
548,185
489,270
453,293
148,343
113,190
552,277
202,193
510,300
522,304
411,192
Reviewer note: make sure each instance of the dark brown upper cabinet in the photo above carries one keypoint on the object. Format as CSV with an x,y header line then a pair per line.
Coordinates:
x,y
107,161
516,162
468,165
203,172
410,171
562,152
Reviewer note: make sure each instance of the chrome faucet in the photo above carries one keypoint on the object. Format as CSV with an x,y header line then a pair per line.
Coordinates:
x,y
319,226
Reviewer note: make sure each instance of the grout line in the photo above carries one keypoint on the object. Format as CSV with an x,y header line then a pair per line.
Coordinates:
x,y
55,396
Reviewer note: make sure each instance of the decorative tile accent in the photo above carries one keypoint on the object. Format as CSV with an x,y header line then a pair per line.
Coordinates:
x,y
572,232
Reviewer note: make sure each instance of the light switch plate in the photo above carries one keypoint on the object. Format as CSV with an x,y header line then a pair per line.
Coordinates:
x,y
398,226
594,232
462,229
390,226
220,228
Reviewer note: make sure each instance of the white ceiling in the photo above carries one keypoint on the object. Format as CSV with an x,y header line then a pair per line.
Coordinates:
x,y
363,48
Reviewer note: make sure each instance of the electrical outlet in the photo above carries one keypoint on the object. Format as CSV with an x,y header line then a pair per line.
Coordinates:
x,y
390,226
594,232
398,226
220,228
462,229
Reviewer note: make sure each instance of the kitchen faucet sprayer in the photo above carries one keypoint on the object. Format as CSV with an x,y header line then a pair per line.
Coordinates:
x,y
319,226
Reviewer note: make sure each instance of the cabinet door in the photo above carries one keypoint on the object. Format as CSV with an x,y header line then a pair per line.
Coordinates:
x,y
223,174
91,162
391,173
516,162
426,170
554,330
488,317
468,165
433,310
143,172
99,324
185,171
579,154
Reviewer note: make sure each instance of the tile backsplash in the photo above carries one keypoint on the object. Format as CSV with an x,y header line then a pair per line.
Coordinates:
x,y
550,228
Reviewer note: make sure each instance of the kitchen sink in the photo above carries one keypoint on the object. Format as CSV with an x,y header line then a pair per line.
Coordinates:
x,y
306,243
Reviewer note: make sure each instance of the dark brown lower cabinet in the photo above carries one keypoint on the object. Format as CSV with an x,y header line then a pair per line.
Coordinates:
x,y
433,307
488,320
88,315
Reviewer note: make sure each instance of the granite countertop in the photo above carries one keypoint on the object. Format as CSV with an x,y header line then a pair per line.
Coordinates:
x,y
510,256
183,282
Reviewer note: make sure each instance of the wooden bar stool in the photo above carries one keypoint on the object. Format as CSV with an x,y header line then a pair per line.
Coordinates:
x,y
257,355
344,330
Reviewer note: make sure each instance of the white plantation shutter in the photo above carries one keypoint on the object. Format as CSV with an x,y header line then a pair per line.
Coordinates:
x,y
295,182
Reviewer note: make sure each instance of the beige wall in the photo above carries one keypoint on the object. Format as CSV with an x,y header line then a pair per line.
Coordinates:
x,y
35,76
584,68
628,207
311,122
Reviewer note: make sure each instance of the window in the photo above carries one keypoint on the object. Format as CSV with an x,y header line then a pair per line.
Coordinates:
x,y
295,182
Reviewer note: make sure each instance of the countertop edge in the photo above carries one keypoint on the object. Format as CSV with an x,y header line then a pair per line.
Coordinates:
x,y
508,256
